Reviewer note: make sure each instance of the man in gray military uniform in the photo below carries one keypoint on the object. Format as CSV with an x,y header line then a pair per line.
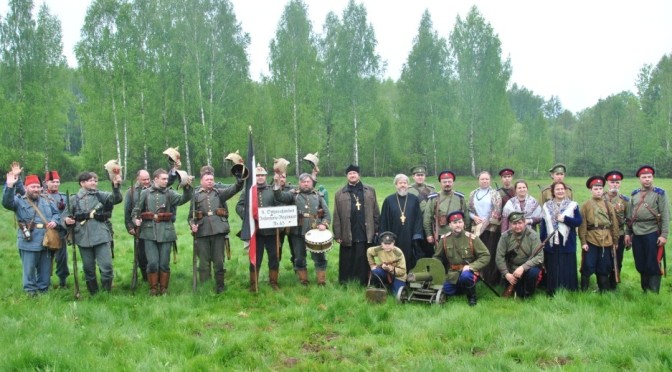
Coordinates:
x,y
647,227
92,210
313,213
208,219
154,214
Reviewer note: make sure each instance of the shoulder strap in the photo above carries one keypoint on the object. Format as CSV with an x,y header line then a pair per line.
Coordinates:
x,y
37,210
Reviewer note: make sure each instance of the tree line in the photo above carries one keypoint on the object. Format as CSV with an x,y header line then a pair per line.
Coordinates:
x,y
155,74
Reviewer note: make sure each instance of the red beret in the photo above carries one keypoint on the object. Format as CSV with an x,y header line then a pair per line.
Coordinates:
x,y
32,179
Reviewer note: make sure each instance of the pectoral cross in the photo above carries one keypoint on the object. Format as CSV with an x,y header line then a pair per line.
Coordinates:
x,y
402,218
357,205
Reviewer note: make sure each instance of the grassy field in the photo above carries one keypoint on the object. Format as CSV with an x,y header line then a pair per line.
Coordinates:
x,y
330,328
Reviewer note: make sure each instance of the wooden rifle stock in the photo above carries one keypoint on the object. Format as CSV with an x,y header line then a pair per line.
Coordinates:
x,y
508,292
134,276
194,268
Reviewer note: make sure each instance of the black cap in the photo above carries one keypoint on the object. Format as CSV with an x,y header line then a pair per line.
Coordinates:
x,y
352,168
613,175
507,172
595,181
387,237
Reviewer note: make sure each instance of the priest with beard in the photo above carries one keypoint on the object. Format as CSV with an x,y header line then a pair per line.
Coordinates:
x,y
401,215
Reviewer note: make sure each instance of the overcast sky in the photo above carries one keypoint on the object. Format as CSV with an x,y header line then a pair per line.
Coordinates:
x,y
580,51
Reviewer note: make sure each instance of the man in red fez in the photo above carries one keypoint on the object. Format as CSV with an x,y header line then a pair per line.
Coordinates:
x,y
34,214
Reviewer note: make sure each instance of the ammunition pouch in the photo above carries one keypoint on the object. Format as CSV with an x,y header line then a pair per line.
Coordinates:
x,y
81,216
146,216
102,216
222,212
443,221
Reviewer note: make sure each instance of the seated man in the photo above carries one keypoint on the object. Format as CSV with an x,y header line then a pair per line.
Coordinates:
x,y
519,257
464,255
392,268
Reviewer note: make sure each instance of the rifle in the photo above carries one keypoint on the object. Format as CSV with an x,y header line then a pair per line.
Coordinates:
x,y
484,281
194,268
227,247
509,290
617,275
134,276
78,295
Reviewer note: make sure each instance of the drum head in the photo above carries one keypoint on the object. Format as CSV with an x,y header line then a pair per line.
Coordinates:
x,y
319,241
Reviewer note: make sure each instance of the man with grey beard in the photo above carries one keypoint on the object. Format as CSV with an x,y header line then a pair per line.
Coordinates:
x,y
401,215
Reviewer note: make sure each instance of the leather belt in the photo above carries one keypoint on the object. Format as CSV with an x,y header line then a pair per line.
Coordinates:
x,y
590,228
456,267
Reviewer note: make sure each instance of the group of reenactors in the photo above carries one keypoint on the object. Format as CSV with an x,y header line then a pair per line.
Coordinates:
x,y
465,233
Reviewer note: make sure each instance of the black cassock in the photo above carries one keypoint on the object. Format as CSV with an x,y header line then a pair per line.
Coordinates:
x,y
409,230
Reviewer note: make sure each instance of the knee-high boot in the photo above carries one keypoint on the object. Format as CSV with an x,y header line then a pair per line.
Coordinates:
x,y
603,283
219,283
303,276
164,280
471,295
321,278
254,279
153,279
273,279
654,283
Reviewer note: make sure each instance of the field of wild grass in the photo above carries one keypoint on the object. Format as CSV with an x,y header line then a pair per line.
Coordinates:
x,y
330,328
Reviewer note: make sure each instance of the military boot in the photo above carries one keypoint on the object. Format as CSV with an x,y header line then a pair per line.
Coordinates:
x,y
303,276
153,279
603,283
471,295
164,280
654,283
644,282
219,283
321,278
92,286
107,285
254,278
585,282
612,281
273,279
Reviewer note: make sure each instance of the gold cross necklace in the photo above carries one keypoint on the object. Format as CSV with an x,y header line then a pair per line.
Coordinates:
x,y
403,210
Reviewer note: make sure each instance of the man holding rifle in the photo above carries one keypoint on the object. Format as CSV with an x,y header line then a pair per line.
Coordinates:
x,y
647,227
620,203
520,257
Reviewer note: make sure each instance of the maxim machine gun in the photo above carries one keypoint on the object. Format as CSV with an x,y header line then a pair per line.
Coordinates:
x,y
425,283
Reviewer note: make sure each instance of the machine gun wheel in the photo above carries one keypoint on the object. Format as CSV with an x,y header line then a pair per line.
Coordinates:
x,y
439,297
402,295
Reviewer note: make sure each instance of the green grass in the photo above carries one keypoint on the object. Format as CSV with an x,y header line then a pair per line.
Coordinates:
x,y
331,328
